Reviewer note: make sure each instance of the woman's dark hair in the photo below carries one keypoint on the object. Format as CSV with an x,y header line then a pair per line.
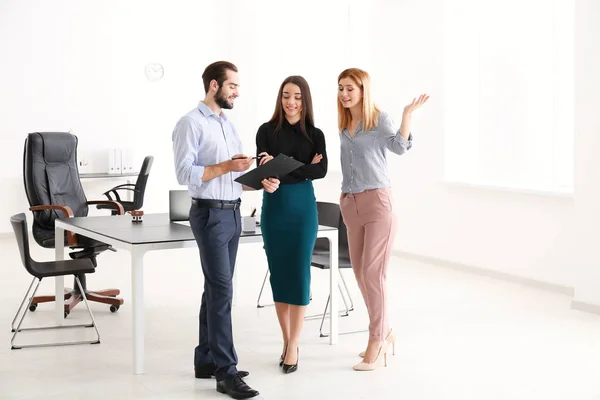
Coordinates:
x,y
306,115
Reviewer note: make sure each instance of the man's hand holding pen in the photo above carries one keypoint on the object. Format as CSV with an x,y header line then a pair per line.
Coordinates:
x,y
240,163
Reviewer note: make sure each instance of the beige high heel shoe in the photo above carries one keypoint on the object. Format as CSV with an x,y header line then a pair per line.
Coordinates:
x,y
390,339
363,366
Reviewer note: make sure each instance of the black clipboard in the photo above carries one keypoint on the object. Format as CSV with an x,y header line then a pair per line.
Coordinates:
x,y
276,168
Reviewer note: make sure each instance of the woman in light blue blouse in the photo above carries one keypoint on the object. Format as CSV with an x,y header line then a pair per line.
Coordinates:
x,y
366,135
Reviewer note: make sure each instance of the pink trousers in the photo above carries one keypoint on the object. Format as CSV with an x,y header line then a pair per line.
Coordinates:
x,y
371,226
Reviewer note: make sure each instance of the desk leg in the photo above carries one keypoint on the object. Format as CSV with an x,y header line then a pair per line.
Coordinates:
x,y
59,281
137,288
333,287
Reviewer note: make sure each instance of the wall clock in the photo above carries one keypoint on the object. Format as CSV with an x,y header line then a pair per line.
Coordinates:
x,y
154,72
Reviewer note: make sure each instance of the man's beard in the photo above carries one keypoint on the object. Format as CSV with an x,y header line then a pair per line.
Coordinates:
x,y
222,100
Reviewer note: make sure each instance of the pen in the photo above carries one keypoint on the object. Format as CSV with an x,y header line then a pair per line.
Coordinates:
x,y
242,158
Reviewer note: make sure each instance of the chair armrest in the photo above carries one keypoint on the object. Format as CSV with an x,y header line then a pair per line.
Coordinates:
x,y
123,186
109,197
114,190
114,204
65,209
132,189
71,240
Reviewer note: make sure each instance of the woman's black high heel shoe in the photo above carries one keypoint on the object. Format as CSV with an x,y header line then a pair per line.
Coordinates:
x,y
281,358
288,369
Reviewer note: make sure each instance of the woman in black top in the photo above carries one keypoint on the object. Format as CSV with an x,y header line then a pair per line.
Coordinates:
x,y
289,219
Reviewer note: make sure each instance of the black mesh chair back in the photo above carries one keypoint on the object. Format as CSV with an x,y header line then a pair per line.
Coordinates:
x,y
139,189
140,183
330,215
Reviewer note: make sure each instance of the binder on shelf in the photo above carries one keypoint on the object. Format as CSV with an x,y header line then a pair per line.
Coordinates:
x,y
126,161
114,161
118,165
111,161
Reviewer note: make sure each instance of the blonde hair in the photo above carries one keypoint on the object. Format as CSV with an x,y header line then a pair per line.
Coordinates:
x,y
370,111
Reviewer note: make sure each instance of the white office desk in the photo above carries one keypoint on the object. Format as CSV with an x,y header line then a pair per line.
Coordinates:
x,y
157,232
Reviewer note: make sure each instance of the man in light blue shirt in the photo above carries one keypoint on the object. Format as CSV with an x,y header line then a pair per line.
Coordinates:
x,y
208,158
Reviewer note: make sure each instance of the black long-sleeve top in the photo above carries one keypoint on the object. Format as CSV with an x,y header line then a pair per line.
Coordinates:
x,y
290,141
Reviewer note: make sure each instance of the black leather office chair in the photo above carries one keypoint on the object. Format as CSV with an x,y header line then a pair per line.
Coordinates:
x,y
138,190
54,191
329,215
48,269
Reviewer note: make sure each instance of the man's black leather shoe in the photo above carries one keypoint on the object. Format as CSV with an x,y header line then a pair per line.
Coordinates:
x,y
208,372
236,388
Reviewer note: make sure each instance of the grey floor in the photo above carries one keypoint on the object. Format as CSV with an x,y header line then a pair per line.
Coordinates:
x,y
459,336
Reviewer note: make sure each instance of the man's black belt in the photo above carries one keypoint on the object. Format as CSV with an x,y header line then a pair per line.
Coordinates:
x,y
222,204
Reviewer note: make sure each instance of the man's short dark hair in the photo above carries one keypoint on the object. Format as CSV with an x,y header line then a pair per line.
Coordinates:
x,y
218,72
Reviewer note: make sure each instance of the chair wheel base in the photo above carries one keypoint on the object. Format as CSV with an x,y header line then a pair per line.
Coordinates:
x,y
114,309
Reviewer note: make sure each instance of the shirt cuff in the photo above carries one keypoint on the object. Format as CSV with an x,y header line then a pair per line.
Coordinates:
x,y
197,173
406,143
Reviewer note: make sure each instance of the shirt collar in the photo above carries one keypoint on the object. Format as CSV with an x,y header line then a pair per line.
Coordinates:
x,y
207,112
287,123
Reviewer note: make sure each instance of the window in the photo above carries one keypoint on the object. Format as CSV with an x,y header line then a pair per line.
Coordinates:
x,y
508,93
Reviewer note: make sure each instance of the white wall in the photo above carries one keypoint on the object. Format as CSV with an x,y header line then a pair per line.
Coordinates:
x,y
79,67
545,238
68,65
586,252
514,233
